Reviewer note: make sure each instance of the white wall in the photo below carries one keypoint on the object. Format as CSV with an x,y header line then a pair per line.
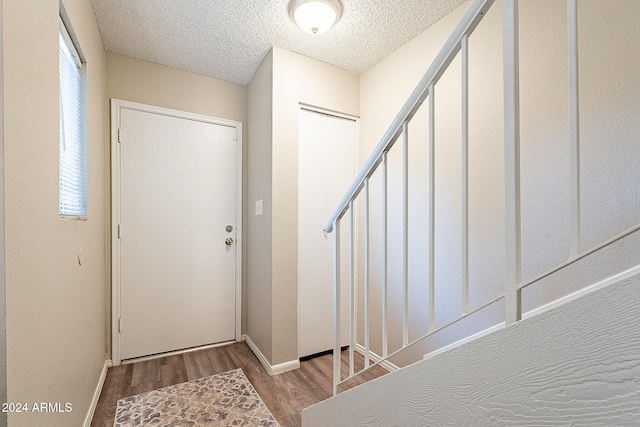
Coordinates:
x,y
55,307
610,187
576,364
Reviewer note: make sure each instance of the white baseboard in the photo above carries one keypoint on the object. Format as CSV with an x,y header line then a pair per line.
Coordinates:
x,y
96,393
376,358
284,367
271,369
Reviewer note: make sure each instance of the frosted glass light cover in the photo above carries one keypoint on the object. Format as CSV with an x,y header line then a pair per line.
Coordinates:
x,y
315,17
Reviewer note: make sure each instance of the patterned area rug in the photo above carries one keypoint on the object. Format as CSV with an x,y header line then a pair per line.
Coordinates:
x,y
226,399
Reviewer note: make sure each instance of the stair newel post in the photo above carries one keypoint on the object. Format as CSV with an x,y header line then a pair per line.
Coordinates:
x,y
513,306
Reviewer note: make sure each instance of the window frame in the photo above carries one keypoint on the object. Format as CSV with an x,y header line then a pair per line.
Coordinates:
x,y
78,168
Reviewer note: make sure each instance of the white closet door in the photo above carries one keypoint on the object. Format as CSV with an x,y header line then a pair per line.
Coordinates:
x,y
326,168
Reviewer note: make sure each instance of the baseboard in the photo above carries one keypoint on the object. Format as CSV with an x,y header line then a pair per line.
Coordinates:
x,y
376,359
271,369
96,393
284,367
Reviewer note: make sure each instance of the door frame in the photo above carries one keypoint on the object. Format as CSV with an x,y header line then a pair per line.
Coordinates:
x,y
117,106
332,113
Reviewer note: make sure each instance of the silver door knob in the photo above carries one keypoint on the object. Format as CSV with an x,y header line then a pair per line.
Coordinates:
x,y
228,241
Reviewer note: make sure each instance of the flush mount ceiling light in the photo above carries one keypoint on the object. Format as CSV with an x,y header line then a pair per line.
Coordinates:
x,y
315,16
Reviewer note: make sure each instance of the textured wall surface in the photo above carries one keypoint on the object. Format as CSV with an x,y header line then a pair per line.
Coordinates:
x,y
577,364
55,307
609,91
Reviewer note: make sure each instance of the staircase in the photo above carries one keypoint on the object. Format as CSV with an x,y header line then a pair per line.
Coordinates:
x,y
382,217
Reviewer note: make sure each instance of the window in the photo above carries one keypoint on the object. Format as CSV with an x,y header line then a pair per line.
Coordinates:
x,y
73,140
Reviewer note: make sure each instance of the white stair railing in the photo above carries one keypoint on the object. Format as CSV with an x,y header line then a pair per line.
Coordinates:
x,y
456,43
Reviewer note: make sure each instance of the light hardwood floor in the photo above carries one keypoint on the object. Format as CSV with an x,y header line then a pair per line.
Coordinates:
x,y
286,395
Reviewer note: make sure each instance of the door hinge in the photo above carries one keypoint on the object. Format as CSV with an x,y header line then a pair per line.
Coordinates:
x,y
119,135
120,325
119,231
235,136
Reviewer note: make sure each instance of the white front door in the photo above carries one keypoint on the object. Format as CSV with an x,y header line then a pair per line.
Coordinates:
x,y
178,213
326,168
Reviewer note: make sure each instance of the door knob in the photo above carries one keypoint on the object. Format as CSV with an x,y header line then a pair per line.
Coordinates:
x,y
228,241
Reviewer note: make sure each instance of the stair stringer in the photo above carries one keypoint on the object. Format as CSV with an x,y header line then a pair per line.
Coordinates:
x,y
575,364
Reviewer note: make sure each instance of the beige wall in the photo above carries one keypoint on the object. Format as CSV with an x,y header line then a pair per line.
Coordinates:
x,y
258,248
140,81
609,93
272,99
283,81
55,307
3,316
296,79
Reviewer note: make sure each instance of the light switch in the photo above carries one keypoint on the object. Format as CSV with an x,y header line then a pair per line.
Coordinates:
x,y
258,207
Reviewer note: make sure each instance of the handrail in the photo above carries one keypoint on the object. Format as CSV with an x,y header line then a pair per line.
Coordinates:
x,y
455,43
470,19
513,284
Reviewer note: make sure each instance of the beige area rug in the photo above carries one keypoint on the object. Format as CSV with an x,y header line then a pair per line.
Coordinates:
x,y
226,399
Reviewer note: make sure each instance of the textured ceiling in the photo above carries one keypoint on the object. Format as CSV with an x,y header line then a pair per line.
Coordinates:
x,y
227,39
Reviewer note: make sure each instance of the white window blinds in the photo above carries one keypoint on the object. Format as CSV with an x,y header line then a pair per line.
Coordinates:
x,y
73,147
